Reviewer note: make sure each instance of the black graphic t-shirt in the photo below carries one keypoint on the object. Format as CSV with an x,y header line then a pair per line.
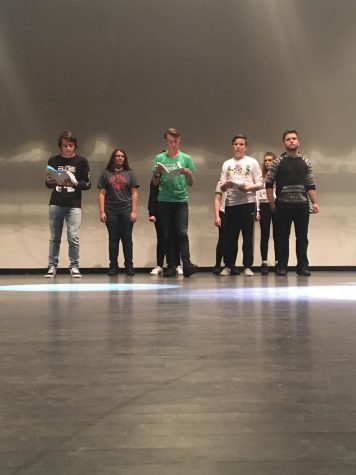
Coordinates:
x,y
70,196
118,187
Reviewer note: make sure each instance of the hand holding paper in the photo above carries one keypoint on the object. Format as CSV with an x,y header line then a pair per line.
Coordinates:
x,y
172,173
61,178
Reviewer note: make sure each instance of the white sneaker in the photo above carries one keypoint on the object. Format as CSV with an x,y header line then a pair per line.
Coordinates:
x,y
248,272
51,272
179,270
156,271
75,273
225,271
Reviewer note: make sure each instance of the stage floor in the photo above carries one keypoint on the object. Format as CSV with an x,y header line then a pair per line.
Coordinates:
x,y
200,376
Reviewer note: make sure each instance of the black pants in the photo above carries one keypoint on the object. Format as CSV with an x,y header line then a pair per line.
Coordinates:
x,y
285,216
239,218
174,219
221,245
267,217
160,248
119,228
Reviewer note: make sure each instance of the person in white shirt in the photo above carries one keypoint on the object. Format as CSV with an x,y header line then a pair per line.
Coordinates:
x,y
241,177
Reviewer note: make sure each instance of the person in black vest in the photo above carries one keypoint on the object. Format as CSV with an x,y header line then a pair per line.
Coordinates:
x,y
66,201
295,187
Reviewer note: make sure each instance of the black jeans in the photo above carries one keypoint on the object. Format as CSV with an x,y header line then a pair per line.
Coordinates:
x,y
119,228
221,245
265,224
174,219
239,218
285,216
160,248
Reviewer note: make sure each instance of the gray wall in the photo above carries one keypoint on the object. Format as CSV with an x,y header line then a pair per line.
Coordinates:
x,y
121,72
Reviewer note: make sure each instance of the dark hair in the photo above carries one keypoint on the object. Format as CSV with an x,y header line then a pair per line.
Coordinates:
x,y
290,131
239,136
67,135
173,132
267,154
111,163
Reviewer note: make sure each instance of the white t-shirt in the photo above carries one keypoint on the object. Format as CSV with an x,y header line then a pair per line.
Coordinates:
x,y
223,196
261,195
243,171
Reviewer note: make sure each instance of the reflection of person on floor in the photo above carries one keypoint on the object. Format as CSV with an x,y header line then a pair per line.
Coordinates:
x,y
153,217
264,214
295,186
66,202
241,177
118,198
220,223
173,173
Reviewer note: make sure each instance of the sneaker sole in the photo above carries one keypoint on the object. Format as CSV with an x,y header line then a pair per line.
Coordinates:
x,y
188,274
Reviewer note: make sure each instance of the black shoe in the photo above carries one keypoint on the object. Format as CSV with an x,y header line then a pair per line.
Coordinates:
x,y
281,271
189,269
113,270
129,271
217,270
170,272
304,272
264,269
234,271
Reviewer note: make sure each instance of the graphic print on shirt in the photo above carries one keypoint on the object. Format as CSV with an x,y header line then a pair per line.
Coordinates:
x,y
238,170
118,182
64,168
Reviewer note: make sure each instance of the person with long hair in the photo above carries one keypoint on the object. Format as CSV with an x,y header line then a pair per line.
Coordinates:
x,y
118,198
264,214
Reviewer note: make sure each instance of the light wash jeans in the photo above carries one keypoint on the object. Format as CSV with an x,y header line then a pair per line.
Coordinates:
x,y
72,217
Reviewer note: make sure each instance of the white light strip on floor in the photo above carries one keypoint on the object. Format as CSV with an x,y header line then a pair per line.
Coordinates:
x,y
321,292
83,287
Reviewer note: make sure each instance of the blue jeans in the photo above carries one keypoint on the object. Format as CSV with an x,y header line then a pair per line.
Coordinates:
x,y
119,228
72,217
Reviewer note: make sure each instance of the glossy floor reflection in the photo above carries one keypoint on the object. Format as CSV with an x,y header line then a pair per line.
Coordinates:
x,y
207,375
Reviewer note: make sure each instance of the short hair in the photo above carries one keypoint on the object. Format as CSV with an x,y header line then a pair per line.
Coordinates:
x,y
67,135
290,131
172,131
111,163
239,136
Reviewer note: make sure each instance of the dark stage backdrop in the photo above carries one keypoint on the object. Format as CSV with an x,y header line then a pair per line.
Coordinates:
x,y
121,72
